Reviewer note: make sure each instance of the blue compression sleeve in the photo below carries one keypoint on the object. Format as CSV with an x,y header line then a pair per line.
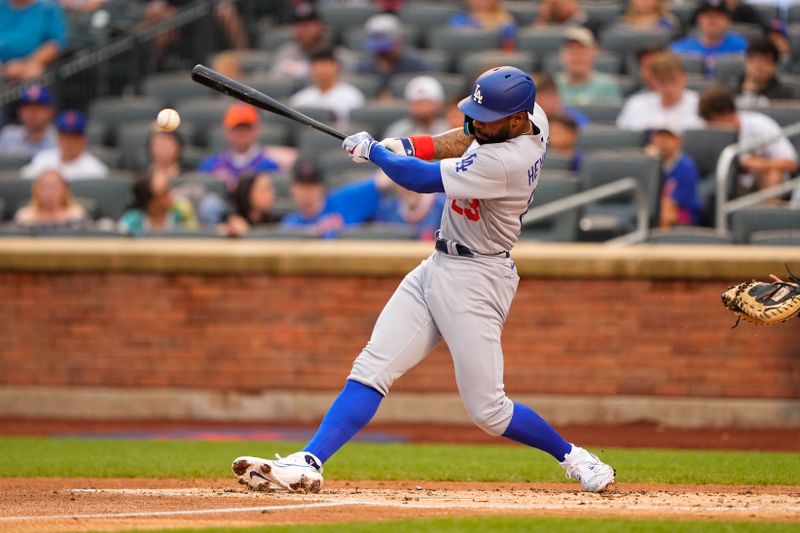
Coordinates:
x,y
350,412
529,428
408,172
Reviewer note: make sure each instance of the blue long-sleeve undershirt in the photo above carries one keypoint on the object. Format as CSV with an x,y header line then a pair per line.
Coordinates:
x,y
408,172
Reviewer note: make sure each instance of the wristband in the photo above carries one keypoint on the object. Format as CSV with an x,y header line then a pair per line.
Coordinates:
x,y
423,147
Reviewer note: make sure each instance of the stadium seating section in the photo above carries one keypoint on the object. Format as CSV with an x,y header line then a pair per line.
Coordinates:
x,y
121,123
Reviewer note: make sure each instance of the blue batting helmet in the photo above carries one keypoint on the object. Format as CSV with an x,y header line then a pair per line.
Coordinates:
x,y
498,93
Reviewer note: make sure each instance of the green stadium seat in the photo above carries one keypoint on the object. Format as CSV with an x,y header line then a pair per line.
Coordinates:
x,y
473,64
208,182
111,195
606,61
369,85
688,235
342,18
460,40
729,68
112,112
705,146
270,38
601,14
602,137
778,237
275,86
746,222
15,194
279,233
524,12
437,60
602,113
623,40
173,87
543,42
428,16
562,227
379,232
379,114
12,161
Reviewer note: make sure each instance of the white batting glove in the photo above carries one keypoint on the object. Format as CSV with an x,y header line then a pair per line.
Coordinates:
x,y
401,146
358,146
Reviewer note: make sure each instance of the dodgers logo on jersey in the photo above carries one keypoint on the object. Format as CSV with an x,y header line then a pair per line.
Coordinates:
x,y
478,97
463,165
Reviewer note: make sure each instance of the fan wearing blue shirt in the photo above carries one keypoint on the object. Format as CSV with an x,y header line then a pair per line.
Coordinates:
x,y
681,203
713,39
32,35
326,214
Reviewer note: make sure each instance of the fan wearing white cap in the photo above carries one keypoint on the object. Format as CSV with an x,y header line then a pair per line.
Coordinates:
x,y
425,97
681,203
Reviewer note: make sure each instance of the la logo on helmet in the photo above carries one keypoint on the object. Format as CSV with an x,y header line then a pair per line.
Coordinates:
x,y
478,97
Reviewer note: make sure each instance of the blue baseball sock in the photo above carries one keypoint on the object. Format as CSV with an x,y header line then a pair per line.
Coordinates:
x,y
529,428
350,411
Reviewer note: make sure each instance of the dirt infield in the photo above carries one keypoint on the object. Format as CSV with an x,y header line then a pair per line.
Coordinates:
x,y
63,504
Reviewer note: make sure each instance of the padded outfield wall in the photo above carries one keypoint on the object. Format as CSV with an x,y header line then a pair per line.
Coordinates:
x,y
226,330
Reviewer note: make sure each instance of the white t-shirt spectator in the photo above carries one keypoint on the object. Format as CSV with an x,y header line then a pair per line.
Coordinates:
x,y
341,99
643,111
84,167
755,126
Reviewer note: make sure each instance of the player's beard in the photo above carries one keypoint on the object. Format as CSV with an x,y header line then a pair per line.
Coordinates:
x,y
501,136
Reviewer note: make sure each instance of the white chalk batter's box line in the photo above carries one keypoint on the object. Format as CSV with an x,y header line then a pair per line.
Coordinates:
x,y
404,505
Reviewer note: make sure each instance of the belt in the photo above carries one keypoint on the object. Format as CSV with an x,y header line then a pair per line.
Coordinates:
x,y
449,247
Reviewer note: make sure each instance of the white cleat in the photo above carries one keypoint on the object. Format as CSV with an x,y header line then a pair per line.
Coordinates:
x,y
592,473
299,472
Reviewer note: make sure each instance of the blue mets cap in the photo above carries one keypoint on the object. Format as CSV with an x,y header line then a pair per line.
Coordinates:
x,y
73,122
37,95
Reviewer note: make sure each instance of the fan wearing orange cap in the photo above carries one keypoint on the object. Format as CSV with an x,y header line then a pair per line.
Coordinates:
x,y
244,155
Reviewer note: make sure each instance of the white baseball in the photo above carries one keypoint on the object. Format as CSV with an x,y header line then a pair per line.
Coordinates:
x,y
168,119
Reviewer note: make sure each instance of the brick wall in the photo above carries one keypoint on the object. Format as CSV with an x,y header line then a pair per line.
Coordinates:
x,y
261,331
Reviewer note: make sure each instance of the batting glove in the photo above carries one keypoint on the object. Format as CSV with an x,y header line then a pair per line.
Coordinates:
x,y
359,145
401,146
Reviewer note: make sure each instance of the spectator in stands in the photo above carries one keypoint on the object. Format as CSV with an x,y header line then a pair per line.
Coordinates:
x,y
388,57
328,90
51,203
489,15
763,166
32,35
422,211
563,140
777,32
759,84
242,125
225,14
560,12
293,59
649,15
164,149
547,96
326,214
425,97
744,13
714,38
253,201
644,58
70,157
453,115
228,64
36,131
681,204
670,102
156,209
579,83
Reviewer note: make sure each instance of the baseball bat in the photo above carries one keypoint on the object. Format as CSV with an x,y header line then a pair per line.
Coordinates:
x,y
219,82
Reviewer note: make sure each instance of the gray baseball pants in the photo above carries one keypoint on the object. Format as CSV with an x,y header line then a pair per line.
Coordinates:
x,y
463,301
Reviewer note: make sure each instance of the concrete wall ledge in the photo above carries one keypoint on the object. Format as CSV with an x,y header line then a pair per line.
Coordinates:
x,y
101,403
373,258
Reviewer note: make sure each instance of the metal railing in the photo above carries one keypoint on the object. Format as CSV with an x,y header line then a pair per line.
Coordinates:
x,y
99,54
725,207
594,194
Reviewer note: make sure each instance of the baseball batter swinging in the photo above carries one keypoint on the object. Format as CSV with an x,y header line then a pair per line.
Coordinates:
x,y
461,293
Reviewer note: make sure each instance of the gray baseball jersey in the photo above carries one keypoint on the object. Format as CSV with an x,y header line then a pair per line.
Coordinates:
x,y
490,187
464,300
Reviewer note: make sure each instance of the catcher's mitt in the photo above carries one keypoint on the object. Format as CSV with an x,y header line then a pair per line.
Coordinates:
x,y
764,303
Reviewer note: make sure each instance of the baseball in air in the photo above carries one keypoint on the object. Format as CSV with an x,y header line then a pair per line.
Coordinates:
x,y
168,119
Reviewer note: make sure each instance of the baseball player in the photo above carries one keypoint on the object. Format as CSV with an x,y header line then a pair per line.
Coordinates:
x,y
461,293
